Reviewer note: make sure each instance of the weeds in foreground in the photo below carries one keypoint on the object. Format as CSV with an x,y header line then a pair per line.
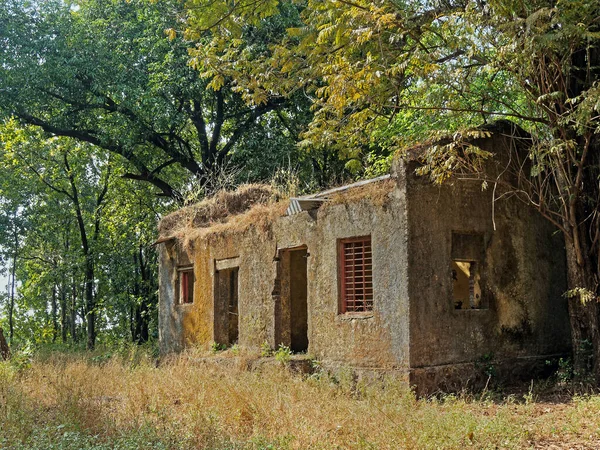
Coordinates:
x,y
283,354
124,401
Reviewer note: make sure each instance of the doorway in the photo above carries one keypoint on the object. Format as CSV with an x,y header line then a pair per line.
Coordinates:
x,y
291,305
226,306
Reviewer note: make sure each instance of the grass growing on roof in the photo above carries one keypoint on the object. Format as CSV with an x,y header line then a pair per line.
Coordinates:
x,y
378,193
217,209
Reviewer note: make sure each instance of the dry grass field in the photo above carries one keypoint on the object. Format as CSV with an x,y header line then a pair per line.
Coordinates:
x,y
78,401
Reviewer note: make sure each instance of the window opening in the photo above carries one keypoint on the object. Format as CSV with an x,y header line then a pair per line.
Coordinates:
x,y
186,285
356,275
468,253
466,289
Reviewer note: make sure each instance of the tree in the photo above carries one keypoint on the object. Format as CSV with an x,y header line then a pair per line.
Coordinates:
x,y
105,73
13,226
62,167
85,235
392,73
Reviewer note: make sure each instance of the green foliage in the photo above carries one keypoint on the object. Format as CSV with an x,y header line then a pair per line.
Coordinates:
x,y
485,364
61,437
215,347
389,74
584,295
68,210
22,357
283,354
266,350
565,371
111,77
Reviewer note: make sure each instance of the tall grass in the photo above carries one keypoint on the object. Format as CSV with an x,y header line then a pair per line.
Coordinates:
x,y
126,401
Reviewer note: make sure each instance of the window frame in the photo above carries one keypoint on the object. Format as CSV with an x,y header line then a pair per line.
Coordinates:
x,y
474,254
185,290
367,307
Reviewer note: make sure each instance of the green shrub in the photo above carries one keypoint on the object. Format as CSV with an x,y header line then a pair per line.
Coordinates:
x,y
266,350
283,354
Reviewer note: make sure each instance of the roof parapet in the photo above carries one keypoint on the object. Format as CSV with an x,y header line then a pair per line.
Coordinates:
x,y
314,201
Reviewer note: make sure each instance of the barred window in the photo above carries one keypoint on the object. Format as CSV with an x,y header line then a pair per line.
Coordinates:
x,y
185,283
356,275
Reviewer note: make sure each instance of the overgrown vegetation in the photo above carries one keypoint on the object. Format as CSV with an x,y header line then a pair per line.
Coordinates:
x,y
121,399
218,209
114,113
390,73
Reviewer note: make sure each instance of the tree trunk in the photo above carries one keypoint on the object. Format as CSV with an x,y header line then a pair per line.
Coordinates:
x,y
63,312
74,310
145,292
132,323
54,312
11,299
83,316
141,291
583,315
90,307
4,349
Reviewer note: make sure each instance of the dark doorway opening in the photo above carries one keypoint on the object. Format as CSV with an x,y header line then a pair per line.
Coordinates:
x,y
226,306
291,305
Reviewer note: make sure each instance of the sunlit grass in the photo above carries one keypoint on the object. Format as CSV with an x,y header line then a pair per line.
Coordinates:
x,y
83,401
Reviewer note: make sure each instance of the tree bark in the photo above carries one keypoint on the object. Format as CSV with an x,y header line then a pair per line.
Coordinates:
x,y
63,312
583,315
90,307
11,299
4,349
141,291
74,336
54,312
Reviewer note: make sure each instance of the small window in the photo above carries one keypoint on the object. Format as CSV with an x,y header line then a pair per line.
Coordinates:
x,y
467,258
356,275
185,282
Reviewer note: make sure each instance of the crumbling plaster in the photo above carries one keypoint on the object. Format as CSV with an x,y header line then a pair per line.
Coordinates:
x,y
523,277
378,339
414,326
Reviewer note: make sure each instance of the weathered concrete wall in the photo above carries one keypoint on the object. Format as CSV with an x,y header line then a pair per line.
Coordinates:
x,y
378,339
522,279
256,271
414,324
190,324
170,315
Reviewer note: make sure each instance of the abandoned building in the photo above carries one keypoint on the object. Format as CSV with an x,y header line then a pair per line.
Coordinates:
x,y
435,283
